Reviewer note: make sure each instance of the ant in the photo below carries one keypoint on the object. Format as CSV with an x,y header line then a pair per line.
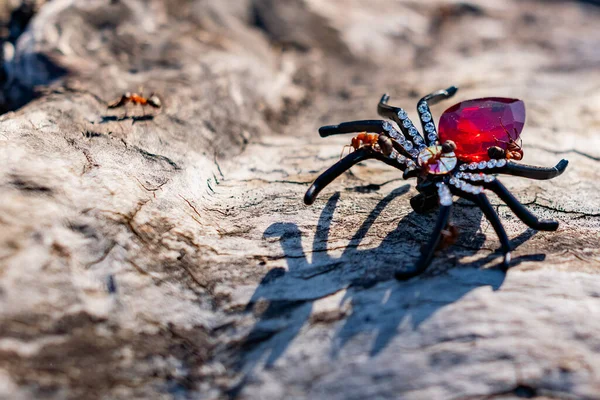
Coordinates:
x,y
152,101
449,236
513,150
365,139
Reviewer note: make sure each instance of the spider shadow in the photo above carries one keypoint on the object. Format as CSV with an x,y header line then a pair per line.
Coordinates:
x,y
380,304
134,118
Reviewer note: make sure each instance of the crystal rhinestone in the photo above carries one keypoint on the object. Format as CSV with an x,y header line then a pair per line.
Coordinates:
x,y
429,127
432,137
488,178
482,165
418,139
402,114
412,131
401,158
445,200
478,177
422,147
452,181
426,117
478,189
459,174
473,166
387,126
491,163
411,164
408,146
393,134
463,167
393,154
501,163
414,153
476,125
423,107
407,123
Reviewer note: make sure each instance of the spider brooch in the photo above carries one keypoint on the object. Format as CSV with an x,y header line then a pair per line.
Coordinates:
x,y
477,140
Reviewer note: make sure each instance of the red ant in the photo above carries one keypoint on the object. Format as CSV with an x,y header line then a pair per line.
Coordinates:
x,y
368,139
449,235
513,149
134,98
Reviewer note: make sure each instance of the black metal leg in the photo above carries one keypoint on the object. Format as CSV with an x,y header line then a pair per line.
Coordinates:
x,y
389,161
533,172
437,96
342,166
334,171
429,249
484,204
399,116
387,111
429,129
372,126
519,209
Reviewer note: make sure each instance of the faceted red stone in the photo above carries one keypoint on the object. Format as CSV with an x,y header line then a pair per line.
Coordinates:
x,y
476,125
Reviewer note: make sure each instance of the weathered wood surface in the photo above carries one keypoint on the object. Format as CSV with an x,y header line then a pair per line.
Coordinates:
x,y
172,257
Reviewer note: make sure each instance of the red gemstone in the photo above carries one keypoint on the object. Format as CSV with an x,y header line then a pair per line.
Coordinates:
x,y
476,125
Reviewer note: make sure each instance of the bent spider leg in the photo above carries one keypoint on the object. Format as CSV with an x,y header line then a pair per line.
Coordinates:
x,y
511,201
481,200
427,122
428,251
532,171
343,165
400,117
519,209
372,126
439,95
393,161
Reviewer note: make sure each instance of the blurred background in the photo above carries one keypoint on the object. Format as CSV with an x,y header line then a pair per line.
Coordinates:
x,y
166,253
